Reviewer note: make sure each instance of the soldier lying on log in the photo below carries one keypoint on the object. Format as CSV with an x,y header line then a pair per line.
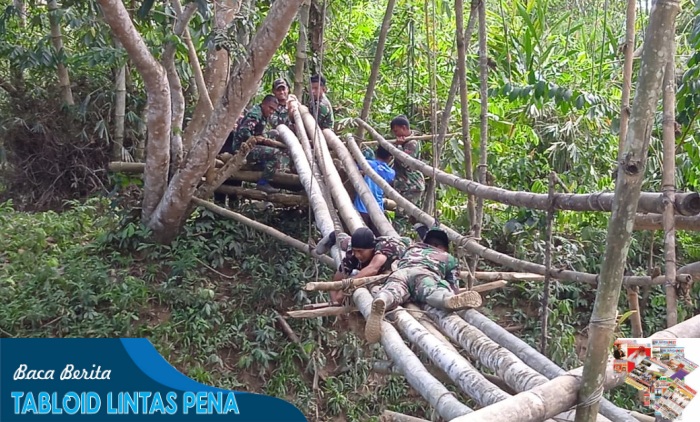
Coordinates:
x,y
365,255
426,273
253,124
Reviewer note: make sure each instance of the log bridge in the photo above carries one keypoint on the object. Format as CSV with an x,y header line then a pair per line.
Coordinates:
x,y
521,385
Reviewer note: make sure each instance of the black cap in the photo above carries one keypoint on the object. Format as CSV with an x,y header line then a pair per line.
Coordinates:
x,y
363,238
278,83
438,235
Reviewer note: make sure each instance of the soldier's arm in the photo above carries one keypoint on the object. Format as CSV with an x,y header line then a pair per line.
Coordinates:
x,y
411,148
246,128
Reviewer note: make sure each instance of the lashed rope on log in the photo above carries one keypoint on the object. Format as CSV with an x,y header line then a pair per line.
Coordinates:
x,y
685,204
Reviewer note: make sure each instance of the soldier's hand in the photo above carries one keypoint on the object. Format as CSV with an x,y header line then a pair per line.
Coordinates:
x,y
400,140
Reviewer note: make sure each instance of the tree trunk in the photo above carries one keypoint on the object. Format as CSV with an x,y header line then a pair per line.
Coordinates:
x,y
21,11
177,98
668,187
472,246
119,113
389,416
296,244
358,182
484,123
658,49
229,168
654,222
533,358
560,393
444,402
216,74
157,103
462,39
685,203
316,26
59,53
322,215
323,157
170,214
376,64
301,55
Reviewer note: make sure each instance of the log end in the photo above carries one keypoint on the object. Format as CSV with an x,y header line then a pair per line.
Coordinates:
x,y
689,204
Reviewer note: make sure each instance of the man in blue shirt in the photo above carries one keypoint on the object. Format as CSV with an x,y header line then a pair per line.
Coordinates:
x,y
381,166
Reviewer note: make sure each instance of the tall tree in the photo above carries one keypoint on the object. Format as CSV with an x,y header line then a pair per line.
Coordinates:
x,y
60,54
658,50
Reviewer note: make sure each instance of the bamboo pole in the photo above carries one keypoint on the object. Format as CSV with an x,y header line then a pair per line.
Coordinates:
x,y
376,64
655,222
342,200
340,285
284,199
322,312
460,371
508,276
472,246
482,288
296,244
376,214
658,50
444,402
686,203
668,186
411,138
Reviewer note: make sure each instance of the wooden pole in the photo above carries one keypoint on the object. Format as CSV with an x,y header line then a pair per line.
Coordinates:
x,y
322,312
655,222
482,288
340,285
668,185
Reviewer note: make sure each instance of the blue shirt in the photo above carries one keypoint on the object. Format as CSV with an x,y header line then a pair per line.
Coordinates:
x,y
386,173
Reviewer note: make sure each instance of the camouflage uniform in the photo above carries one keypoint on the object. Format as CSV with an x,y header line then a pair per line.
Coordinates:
x,y
282,116
391,247
422,270
253,124
325,112
410,183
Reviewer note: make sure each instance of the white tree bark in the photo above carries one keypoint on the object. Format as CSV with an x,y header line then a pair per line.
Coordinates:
x,y
170,213
157,103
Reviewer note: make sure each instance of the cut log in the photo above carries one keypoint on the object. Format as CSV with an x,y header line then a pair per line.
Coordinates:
x,y
342,200
653,222
340,285
482,288
296,244
460,371
322,312
444,402
508,276
284,180
429,325
686,203
284,199
471,246
389,416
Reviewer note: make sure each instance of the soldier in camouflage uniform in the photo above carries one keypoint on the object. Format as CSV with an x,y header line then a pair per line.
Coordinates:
x,y
409,183
319,104
426,273
365,255
254,125
281,116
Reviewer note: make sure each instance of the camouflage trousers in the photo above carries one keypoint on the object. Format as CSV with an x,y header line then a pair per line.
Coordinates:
x,y
271,158
413,283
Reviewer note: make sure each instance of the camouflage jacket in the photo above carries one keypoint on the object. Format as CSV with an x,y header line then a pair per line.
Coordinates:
x,y
325,112
422,255
408,180
391,247
282,117
253,124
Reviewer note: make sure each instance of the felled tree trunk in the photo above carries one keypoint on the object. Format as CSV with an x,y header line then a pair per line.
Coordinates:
x,y
444,402
376,64
460,371
57,42
685,204
323,157
657,51
358,182
155,176
473,247
324,223
170,213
